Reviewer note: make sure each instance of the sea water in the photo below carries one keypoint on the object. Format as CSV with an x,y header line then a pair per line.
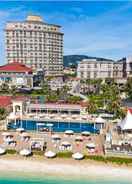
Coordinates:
x,y
32,178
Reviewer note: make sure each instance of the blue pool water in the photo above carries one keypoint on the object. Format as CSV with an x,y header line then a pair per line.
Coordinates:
x,y
57,126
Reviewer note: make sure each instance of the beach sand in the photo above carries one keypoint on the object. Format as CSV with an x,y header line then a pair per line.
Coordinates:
x,y
63,167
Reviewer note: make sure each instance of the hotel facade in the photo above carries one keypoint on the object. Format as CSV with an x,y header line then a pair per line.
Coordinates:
x,y
36,44
95,69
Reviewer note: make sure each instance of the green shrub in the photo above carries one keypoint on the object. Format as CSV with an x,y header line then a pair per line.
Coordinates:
x,y
119,160
65,154
96,157
40,153
11,151
116,160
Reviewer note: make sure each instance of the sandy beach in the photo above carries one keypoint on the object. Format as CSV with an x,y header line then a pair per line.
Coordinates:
x,y
64,167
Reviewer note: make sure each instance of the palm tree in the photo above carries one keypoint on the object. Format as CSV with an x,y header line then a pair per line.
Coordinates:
x,y
45,88
4,87
13,90
128,87
63,92
3,113
91,107
73,99
52,97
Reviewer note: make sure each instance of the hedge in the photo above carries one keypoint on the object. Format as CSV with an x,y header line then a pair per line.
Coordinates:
x,y
39,152
66,154
11,151
110,159
117,160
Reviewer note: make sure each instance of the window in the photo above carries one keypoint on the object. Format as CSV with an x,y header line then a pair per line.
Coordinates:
x,y
81,74
88,75
8,41
95,74
95,65
109,74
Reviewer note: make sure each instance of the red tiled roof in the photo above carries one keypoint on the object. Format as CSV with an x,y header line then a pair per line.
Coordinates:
x,y
5,101
15,67
130,110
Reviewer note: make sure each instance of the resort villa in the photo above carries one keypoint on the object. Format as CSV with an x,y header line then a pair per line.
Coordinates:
x,y
16,74
19,75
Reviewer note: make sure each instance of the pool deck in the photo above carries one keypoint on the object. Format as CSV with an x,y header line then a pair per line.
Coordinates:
x,y
58,118
55,145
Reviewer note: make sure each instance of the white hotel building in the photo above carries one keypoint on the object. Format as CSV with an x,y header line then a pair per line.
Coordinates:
x,y
95,69
35,43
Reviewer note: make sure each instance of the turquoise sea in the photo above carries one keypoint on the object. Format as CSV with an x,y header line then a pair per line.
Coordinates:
x,y
24,178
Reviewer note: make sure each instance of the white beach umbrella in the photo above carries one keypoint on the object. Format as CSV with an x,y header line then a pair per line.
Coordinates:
x,y
25,152
69,132
90,145
68,118
78,156
74,116
41,115
36,117
20,130
56,136
100,120
41,124
7,134
63,115
31,115
84,116
47,117
66,143
52,115
58,118
50,154
2,151
85,133
49,124
79,138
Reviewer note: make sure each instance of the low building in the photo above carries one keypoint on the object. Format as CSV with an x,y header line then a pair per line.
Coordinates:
x,y
73,84
69,71
127,64
99,69
16,74
19,75
55,108
56,83
118,70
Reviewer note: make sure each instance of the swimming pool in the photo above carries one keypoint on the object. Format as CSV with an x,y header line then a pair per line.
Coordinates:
x,y
56,126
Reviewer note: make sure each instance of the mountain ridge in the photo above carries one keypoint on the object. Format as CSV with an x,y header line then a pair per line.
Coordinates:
x,y
70,60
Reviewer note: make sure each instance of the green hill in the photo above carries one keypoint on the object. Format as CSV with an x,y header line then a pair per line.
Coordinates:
x,y
74,59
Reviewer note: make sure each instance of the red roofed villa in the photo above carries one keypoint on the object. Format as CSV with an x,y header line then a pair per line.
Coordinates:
x,y
17,74
15,67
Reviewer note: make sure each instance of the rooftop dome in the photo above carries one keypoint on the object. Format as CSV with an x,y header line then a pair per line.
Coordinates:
x,y
34,18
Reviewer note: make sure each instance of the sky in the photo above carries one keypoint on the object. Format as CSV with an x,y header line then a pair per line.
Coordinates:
x,y
93,28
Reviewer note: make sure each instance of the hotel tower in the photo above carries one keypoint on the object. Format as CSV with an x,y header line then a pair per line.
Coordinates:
x,y
35,43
